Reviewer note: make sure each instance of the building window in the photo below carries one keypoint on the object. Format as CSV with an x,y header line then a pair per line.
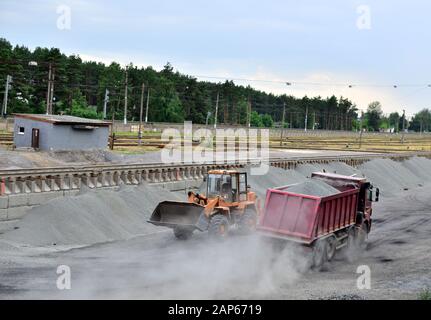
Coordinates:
x,y
21,130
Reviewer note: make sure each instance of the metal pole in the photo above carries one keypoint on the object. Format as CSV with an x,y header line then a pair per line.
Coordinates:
x,y
51,97
148,102
249,114
282,123
5,98
105,102
48,93
314,120
306,119
360,128
141,114
216,111
404,126
125,99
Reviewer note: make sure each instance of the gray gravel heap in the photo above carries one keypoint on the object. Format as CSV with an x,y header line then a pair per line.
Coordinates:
x,y
313,187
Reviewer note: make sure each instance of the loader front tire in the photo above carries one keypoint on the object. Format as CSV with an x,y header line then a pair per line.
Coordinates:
x,y
248,220
218,227
182,233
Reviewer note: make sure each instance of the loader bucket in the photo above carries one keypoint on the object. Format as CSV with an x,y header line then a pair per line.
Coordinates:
x,y
176,214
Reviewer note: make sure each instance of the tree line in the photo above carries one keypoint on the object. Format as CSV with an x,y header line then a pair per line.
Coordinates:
x,y
79,88
375,120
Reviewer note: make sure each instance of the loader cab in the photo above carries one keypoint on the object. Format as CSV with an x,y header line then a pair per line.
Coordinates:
x,y
231,186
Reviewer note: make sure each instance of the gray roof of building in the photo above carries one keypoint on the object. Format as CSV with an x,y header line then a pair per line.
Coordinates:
x,y
62,119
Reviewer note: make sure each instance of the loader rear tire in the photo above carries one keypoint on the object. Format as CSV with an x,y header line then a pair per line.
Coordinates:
x,y
248,220
182,233
218,227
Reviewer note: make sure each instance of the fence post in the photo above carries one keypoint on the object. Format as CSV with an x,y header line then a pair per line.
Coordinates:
x,y
111,141
2,187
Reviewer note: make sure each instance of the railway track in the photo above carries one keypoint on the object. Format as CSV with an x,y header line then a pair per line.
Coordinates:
x,y
46,179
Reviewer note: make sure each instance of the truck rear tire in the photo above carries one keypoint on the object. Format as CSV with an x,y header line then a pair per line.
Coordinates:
x,y
247,221
182,233
331,248
218,227
320,250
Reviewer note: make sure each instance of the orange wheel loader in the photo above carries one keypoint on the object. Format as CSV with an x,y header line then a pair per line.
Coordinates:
x,y
228,204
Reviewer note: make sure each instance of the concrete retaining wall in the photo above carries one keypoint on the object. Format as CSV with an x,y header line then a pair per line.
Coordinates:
x,y
15,206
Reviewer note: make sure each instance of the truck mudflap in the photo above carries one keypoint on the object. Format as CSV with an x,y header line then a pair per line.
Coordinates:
x,y
173,214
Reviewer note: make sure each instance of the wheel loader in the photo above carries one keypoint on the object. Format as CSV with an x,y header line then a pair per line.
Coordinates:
x,y
227,205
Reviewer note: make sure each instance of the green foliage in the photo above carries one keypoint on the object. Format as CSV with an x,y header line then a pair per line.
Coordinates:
x,y
255,120
394,121
425,295
174,97
374,115
267,121
261,120
81,109
421,121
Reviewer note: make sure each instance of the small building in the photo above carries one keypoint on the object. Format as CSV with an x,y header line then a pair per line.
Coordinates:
x,y
57,132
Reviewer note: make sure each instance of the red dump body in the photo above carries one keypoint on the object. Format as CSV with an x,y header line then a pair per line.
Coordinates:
x,y
304,218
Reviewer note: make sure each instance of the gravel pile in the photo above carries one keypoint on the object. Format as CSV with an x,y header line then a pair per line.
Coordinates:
x,y
97,216
86,156
313,187
392,176
275,177
91,217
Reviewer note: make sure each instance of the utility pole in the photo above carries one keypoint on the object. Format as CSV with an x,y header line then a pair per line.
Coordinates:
x,y
141,114
306,119
314,120
5,98
148,102
249,114
51,98
282,123
404,126
360,128
125,99
216,111
105,102
50,92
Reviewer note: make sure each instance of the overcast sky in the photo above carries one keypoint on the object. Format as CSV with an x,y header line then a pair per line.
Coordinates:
x,y
320,45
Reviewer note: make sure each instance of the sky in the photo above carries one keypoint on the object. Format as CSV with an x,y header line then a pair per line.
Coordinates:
x,y
320,47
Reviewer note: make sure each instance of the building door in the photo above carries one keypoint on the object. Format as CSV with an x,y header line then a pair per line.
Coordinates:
x,y
35,138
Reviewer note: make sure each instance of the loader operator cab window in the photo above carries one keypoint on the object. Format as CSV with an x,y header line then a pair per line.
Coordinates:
x,y
220,185
242,186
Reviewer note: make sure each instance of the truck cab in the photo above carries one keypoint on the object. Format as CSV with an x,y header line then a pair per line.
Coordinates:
x,y
367,193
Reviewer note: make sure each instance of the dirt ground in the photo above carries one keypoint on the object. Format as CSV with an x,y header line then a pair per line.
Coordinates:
x,y
156,266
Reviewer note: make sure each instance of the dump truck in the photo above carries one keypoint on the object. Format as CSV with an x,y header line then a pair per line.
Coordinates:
x,y
227,204
322,223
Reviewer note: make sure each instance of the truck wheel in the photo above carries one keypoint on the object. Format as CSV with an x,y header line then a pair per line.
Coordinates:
x,y
218,227
248,220
331,248
357,237
182,233
362,236
319,253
